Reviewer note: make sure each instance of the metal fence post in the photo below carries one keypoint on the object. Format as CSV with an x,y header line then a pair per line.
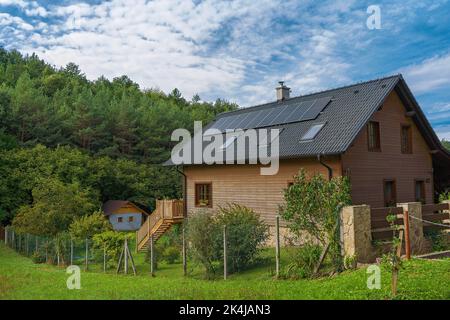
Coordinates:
x,y
225,271
104,258
152,257
86,257
71,251
184,251
126,255
277,246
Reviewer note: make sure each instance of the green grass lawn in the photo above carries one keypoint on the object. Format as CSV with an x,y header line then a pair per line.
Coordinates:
x,y
22,279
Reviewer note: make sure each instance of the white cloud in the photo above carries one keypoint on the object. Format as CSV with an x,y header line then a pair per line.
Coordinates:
x,y
430,74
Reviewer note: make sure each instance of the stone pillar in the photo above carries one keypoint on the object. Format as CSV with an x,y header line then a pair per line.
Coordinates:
x,y
356,233
416,237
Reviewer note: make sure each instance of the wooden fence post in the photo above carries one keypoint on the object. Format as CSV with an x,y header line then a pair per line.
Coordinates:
x,y
6,236
225,271
36,244
277,246
184,251
407,237
86,256
152,257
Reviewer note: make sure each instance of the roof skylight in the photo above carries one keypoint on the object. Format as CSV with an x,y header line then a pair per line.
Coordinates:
x,y
312,132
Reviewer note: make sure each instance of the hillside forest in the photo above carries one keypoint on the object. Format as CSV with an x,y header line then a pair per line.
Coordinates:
x,y
67,144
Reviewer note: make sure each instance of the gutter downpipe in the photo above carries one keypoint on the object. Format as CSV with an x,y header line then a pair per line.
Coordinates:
x,y
330,170
184,190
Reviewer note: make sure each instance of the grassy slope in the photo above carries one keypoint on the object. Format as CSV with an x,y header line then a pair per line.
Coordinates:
x,y
21,279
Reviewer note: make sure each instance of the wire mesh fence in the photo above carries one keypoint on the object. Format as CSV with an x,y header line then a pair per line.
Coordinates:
x,y
172,252
63,251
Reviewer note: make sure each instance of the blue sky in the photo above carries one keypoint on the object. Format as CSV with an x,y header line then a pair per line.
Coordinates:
x,y
239,50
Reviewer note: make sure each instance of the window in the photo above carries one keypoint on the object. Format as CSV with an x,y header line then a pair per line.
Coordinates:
x,y
419,191
312,132
390,193
406,139
130,219
203,195
373,136
120,219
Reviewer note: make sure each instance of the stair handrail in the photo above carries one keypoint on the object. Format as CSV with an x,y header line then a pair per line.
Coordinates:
x,y
165,209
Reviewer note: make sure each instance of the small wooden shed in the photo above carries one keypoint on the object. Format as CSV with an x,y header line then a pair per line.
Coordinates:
x,y
125,215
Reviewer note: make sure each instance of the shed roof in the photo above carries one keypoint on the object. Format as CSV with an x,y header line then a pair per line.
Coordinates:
x,y
110,206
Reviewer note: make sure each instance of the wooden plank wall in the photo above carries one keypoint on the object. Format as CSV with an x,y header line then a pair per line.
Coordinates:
x,y
245,185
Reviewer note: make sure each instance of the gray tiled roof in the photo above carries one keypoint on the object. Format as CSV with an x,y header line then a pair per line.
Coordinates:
x,y
347,113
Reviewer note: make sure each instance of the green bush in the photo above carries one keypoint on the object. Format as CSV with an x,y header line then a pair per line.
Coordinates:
x,y
85,227
444,196
203,233
113,242
312,206
304,260
245,234
171,254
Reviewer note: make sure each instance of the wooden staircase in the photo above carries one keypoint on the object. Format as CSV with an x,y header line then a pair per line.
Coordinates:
x,y
166,214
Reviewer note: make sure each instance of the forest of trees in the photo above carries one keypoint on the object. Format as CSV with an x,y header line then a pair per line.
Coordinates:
x,y
104,139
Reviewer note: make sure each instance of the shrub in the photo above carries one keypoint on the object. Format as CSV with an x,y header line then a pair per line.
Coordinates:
x,y
112,241
304,260
245,234
203,233
86,227
171,254
312,206
444,196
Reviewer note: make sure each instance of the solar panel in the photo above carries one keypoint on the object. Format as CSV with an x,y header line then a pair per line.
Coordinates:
x,y
271,114
304,111
284,112
316,108
256,118
244,121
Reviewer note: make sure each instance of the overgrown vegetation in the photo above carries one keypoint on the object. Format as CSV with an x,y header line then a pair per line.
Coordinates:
x,y
87,226
311,209
246,232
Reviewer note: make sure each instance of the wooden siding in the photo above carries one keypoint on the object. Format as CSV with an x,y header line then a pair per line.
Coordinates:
x,y
368,170
243,184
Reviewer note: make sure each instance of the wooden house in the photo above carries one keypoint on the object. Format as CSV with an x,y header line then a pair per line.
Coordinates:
x,y
125,215
373,132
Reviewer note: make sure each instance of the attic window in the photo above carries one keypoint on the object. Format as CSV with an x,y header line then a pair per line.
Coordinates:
x,y
312,132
